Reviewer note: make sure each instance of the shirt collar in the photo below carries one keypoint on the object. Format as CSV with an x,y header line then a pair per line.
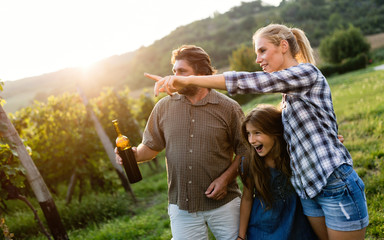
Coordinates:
x,y
212,97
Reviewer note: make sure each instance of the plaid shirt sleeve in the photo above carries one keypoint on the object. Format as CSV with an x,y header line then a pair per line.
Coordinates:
x,y
294,79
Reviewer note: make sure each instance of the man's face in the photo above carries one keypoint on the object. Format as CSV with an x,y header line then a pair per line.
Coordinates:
x,y
182,68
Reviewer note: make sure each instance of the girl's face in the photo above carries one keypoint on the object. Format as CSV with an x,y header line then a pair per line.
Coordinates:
x,y
269,56
262,142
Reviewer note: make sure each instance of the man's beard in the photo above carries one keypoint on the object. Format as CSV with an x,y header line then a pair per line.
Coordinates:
x,y
189,91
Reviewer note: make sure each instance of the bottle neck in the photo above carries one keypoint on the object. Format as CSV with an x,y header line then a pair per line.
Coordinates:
x,y
117,129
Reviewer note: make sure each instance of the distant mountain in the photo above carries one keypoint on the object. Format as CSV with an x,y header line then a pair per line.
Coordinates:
x,y
107,72
218,35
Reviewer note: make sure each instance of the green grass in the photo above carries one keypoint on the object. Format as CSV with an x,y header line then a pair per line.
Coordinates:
x,y
148,224
104,215
359,105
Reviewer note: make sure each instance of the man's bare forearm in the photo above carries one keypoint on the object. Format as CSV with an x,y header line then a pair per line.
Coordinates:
x,y
231,173
144,153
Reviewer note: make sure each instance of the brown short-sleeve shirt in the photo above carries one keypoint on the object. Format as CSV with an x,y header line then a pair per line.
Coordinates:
x,y
200,140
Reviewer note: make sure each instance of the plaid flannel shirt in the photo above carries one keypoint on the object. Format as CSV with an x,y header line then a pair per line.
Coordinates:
x,y
310,127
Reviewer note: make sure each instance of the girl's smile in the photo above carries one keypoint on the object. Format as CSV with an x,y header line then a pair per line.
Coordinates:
x,y
262,142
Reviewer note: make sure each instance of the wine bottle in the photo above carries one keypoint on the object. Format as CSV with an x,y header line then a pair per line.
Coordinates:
x,y
125,152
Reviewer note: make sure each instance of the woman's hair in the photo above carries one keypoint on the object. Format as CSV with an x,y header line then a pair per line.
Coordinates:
x,y
267,119
197,58
299,44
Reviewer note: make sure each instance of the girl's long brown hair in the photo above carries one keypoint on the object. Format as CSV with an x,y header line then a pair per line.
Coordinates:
x,y
267,119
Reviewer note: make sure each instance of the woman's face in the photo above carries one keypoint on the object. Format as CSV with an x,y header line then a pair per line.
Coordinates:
x,y
269,56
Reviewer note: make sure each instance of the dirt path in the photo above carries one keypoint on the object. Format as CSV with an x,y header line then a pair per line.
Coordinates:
x,y
380,67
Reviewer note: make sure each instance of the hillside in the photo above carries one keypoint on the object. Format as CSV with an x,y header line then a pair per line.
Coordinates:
x,y
23,92
218,35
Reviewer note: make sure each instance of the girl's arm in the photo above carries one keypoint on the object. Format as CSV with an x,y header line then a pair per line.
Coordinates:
x,y
171,84
245,210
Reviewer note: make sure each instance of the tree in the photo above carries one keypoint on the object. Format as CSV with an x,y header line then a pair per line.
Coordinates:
x,y
64,144
144,106
10,135
244,59
112,104
343,44
335,21
143,109
109,149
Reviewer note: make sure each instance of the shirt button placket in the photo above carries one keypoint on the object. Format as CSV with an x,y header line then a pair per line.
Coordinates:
x,y
191,135
190,151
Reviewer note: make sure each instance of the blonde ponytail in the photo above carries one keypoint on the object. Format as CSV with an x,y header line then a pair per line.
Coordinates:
x,y
299,44
305,54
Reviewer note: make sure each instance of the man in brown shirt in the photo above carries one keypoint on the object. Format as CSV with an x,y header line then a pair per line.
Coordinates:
x,y
199,129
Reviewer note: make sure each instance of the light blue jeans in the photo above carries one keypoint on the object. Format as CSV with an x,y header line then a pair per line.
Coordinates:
x,y
342,201
223,222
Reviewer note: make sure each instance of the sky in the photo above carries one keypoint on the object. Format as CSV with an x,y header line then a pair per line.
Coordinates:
x,y
42,36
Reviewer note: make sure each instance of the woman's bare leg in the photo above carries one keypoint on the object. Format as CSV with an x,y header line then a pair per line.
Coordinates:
x,y
324,233
351,235
319,227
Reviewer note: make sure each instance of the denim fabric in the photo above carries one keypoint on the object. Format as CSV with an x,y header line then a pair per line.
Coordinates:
x,y
285,220
342,201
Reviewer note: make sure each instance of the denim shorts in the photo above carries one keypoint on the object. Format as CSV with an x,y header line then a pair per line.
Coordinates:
x,y
342,201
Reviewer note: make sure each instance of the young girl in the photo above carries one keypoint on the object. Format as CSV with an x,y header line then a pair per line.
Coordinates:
x,y
331,192
270,209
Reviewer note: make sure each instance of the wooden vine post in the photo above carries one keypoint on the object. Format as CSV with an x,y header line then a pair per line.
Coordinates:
x,y
40,189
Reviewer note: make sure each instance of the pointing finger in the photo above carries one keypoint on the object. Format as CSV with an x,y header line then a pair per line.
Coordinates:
x,y
167,85
153,77
159,87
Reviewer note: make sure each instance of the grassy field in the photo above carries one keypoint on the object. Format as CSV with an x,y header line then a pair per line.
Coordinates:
x,y
359,105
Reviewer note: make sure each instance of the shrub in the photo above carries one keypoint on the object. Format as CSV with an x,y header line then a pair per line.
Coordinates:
x,y
355,63
329,69
343,44
378,55
350,64
243,59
